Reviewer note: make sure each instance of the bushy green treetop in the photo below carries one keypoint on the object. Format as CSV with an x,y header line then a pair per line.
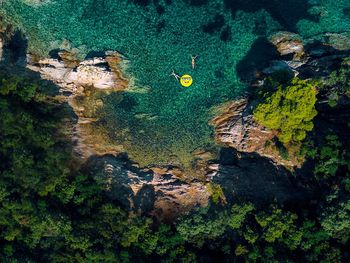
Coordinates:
x,y
289,110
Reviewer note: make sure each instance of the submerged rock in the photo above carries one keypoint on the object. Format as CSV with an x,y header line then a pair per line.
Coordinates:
x,y
281,66
338,41
36,3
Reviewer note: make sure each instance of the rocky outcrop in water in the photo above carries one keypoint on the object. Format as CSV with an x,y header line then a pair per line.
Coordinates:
x,y
70,74
156,192
315,57
288,43
83,84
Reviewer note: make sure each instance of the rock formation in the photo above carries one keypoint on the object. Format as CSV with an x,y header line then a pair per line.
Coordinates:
x,y
162,191
70,75
314,57
288,43
157,191
83,85
235,127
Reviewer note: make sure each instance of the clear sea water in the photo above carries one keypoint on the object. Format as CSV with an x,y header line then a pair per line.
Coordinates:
x,y
158,121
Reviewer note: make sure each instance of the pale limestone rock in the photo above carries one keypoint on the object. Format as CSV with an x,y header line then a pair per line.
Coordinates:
x,y
81,84
86,74
1,47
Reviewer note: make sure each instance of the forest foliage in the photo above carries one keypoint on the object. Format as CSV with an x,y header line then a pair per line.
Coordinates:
x,y
50,213
289,110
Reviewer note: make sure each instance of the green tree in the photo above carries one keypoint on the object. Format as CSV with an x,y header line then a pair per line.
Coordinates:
x,y
199,228
238,215
338,82
289,110
277,224
330,157
335,221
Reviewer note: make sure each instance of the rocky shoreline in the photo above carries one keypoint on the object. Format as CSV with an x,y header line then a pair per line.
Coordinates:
x,y
83,85
162,191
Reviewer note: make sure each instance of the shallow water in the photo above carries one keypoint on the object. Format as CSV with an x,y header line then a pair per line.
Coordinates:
x,y
158,121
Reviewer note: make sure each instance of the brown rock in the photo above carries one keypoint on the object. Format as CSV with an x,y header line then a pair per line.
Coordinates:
x,y
235,127
157,191
288,43
239,130
69,59
86,83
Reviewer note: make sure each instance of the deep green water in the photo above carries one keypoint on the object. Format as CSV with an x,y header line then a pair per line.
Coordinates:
x,y
158,121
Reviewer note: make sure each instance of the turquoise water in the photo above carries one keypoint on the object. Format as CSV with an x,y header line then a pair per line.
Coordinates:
x,y
157,120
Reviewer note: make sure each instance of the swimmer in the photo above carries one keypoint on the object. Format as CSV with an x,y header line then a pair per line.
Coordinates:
x,y
193,61
175,75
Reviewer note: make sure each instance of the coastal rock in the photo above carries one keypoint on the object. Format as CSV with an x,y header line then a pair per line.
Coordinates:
x,y
312,58
69,59
83,85
161,192
288,43
156,192
235,127
1,47
69,74
339,41
281,66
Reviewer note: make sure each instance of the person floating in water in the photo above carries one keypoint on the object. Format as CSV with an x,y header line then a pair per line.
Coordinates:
x,y
175,75
193,61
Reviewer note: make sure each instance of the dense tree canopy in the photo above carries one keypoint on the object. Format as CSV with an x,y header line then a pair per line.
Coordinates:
x,y
48,213
289,110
